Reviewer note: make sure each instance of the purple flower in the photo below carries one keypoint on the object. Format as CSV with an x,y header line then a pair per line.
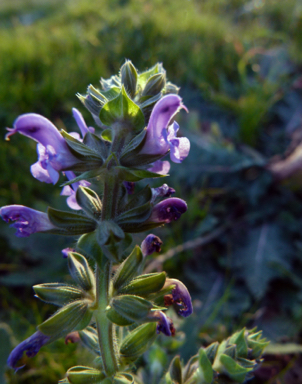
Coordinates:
x,y
165,325
181,298
163,191
160,138
150,245
27,220
81,122
31,346
54,154
168,210
70,190
160,167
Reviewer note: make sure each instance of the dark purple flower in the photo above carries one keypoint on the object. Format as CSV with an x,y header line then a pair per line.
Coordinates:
x,y
70,190
150,245
168,210
161,137
181,298
27,220
54,154
160,167
165,325
163,191
31,346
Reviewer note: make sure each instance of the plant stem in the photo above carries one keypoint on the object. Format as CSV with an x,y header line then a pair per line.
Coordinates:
x,y
105,328
110,197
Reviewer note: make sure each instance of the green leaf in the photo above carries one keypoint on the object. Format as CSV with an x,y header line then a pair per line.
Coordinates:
x,y
107,135
175,370
89,245
211,351
106,229
57,293
122,108
133,146
205,367
233,369
257,261
132,174
238,338
81,150
65,320
100,146
85,176
71,223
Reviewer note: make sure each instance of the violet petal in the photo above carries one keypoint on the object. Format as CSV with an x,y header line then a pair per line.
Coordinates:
x,y
27,220
31,346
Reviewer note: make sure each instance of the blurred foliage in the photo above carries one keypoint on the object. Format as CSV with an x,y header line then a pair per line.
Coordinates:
x,y
239,65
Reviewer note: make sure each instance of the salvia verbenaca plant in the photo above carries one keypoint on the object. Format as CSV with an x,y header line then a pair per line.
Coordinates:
x,y
133,113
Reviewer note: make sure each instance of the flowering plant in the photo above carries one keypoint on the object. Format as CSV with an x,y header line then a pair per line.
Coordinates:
x,y
134,130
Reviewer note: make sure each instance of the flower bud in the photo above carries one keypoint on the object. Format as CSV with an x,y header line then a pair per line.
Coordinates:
x,y
81,271
90,202
155,85
150,245
137,342
130,307
122,378
84,375
57,293
129,78
128,269
168,210
65,320
145,284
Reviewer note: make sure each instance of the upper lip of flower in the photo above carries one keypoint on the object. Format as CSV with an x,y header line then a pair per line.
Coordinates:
x,y
159,137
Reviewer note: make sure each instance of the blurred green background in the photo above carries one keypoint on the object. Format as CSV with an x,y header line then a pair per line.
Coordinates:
x,y
239,246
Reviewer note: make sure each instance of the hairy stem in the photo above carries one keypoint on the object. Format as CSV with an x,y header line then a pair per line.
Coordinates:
x,y
106,329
